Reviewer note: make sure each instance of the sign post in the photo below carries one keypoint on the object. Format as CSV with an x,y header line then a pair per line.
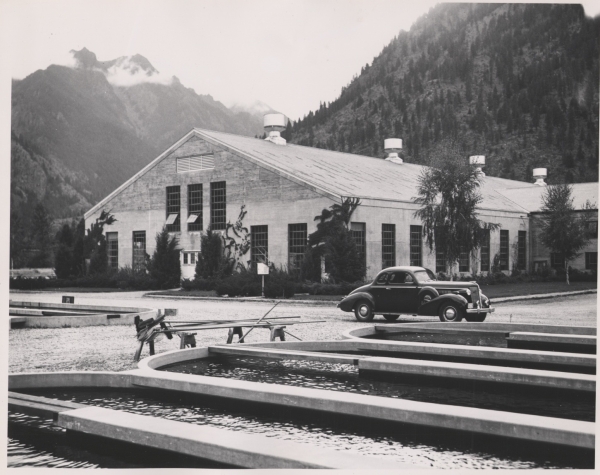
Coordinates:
x,y
262,269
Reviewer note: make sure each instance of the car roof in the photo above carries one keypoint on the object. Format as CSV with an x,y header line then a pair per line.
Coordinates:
x,y
403,268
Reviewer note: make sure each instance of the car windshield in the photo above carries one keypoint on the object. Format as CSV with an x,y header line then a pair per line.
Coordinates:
x,y
423,276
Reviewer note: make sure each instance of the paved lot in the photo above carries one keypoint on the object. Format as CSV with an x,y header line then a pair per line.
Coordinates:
x,y
111,348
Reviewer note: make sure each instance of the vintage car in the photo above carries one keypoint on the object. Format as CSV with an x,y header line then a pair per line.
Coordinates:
x,y
415,291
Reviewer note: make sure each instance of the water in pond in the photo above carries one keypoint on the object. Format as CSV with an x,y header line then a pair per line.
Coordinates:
x,y
340,377
419,446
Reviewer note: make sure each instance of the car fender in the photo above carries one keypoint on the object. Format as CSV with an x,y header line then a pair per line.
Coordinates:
x,y
348,302
432,308
430,290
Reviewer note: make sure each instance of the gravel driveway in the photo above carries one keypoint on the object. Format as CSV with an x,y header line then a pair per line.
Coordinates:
x,y
111,348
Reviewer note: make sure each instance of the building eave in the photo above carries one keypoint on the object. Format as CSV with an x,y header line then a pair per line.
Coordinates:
x,y
249,157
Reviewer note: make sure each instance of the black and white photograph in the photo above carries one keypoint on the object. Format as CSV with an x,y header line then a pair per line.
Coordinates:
x,y
356,235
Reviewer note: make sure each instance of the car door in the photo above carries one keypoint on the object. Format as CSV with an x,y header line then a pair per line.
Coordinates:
x,y
378,290
402,294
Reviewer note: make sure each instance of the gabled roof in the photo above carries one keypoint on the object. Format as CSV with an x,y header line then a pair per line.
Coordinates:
x,y
531,197
338,174
346,174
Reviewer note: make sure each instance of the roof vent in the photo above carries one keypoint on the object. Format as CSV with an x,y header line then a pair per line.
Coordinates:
x,y
392,147
539,174
478,161
274,124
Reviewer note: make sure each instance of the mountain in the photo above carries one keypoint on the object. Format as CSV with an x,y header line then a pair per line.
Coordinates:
x,y
79,132
517,83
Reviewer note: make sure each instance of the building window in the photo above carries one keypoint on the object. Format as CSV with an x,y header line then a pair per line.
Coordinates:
x,y
259,236
194,221
503,249
522,250
358,233
416,245
464,260
591,261
218,203
188,258
440,256
591,228
297,240
173,209
485,252
388,245
138,261
557,260
112,250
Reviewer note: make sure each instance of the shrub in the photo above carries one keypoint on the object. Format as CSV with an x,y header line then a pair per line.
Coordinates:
x,y
279,284
164,266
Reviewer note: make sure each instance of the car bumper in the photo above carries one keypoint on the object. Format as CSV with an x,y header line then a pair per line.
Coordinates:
x,y
481,310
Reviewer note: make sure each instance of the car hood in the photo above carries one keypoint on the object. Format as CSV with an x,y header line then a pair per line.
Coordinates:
x,y
445,284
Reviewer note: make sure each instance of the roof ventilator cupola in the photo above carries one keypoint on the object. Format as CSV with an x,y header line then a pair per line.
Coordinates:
x,y
274,124
392,147
478,161
539,174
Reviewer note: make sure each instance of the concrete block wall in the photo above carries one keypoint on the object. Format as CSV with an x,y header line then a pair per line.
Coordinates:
x,y
270,200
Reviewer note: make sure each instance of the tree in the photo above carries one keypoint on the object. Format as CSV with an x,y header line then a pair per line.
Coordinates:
x,y
333,241
64,265
164,265
212,263
448,194
41,233
562,230
94,243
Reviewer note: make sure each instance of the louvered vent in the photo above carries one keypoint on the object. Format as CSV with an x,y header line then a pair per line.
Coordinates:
x,y
198,162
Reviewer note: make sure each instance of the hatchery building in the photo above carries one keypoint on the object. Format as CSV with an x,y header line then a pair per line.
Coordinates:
x,y
206,177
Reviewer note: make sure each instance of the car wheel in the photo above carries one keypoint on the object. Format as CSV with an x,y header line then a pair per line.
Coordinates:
x,y
363,311
391,318
450,313
476,317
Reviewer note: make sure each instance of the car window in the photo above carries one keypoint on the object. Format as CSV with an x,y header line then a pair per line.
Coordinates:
x,y
408,279
423,276
382,279
397,278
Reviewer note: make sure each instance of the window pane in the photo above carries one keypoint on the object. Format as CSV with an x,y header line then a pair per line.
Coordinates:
x,y
112,250
522,250
297,240
464,260
557,261
259,244
416,245
194,207
503,249
485,252
218,204
173,208
358,233
139,251
591,261
388,245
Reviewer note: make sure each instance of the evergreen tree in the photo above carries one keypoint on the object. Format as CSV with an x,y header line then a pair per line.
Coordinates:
x,y
164,265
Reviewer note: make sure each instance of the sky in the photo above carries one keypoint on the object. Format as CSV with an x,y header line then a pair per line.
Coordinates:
x,y
290,55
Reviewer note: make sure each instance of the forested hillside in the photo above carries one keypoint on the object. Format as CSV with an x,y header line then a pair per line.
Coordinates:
x,y
517,83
